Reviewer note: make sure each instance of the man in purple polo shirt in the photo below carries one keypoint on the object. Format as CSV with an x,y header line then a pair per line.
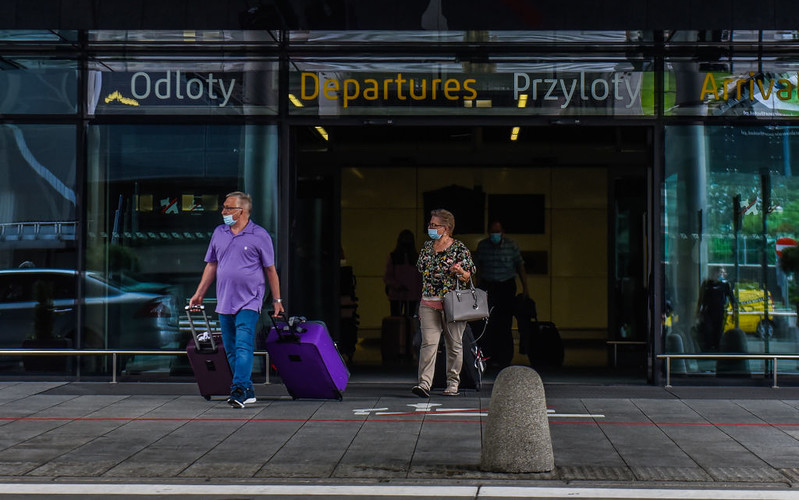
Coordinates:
x,y
242,259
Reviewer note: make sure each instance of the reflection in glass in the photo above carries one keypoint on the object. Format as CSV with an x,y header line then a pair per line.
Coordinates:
x,y
38,36
154,199
38,86
434,36
38,197
729,195
183,36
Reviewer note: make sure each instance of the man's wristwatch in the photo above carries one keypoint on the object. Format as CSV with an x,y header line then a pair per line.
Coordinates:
x,y
276,301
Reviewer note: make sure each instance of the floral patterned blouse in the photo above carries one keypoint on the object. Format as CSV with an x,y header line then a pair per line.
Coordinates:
x,y
434,266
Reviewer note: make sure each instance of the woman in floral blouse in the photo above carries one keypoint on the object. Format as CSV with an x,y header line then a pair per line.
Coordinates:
x,y
442,261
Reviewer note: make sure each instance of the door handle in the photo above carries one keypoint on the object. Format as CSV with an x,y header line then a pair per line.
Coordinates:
x,y
66,309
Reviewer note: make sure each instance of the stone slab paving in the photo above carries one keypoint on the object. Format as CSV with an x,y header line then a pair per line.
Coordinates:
x,y
381,432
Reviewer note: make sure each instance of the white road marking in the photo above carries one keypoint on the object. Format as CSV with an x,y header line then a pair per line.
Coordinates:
x,y
576,415
424,406
366,411
436,409
375,490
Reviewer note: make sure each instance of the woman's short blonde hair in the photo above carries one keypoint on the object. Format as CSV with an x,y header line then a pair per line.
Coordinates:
x,y
446,217
244,198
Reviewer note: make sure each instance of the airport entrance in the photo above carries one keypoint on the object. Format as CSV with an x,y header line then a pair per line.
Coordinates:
x,y
574,198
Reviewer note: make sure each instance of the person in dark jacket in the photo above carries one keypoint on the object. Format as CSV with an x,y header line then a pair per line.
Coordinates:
x,y
499,260
714,297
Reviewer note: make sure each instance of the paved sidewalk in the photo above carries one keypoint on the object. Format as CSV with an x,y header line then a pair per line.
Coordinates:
x,y
602,435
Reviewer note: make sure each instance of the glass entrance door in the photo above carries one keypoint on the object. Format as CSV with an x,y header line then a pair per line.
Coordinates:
x,y
628,305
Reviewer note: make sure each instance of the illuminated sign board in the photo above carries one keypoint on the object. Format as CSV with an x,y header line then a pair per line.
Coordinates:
x,y
553,93
184,92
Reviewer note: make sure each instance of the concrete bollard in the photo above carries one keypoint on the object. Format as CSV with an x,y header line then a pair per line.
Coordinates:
x,y
517,435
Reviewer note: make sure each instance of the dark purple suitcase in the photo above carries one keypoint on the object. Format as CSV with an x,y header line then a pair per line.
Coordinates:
x,y
208,360
306,359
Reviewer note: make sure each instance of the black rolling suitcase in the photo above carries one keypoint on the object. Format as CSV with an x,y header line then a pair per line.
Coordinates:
x,y
545,347
471,370
208,359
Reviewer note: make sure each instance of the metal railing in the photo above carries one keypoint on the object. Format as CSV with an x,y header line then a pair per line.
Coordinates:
x,y
773,357
114,353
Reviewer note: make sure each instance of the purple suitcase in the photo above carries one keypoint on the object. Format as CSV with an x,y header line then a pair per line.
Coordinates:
x,y
306,359
208,360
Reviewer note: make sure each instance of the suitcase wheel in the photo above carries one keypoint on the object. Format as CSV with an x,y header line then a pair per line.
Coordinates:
x,y
207,397
339,396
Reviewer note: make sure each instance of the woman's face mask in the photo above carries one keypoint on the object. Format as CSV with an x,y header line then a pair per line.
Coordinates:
x,y
433,233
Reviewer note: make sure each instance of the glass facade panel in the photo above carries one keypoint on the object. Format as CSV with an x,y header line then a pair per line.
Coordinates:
x,y
374,86
436,37
192,37
763,88
38,86
38,240
38,195
154,198
183,87
38,36
729,197
765,36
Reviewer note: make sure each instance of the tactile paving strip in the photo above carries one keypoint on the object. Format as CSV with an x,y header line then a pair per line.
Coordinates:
x,y
577,473
792,474
746,474
670,474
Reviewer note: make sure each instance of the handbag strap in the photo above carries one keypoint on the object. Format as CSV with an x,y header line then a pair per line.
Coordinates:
x,y
458,284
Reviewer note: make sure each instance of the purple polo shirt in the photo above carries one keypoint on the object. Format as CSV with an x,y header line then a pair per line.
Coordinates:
x,y
240,258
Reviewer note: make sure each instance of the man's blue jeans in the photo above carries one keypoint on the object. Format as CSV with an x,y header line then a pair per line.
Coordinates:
x,y
238,337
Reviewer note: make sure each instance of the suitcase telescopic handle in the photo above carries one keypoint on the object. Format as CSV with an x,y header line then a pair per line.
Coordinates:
x,y
200,308
290,329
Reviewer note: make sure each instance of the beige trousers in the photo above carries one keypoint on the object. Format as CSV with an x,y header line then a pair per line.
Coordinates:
x,y
433,324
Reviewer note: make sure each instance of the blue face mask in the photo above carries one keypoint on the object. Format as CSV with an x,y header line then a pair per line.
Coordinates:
x,y
228,219
433,233
495,237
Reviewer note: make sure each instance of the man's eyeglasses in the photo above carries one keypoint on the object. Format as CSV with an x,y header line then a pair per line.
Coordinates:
x,y
228,209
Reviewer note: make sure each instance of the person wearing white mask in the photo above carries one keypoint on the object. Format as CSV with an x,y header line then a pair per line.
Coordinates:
x,y
241,258
500,261
442,261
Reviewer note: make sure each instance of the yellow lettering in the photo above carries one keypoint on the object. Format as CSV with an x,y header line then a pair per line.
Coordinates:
x,y
765,94
466,86
434,86
424,90
371,89
451,85
784,93
399,87
725,85
371,94
738,88
709,87
303,95
385,88
330,86
751,89
347,96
